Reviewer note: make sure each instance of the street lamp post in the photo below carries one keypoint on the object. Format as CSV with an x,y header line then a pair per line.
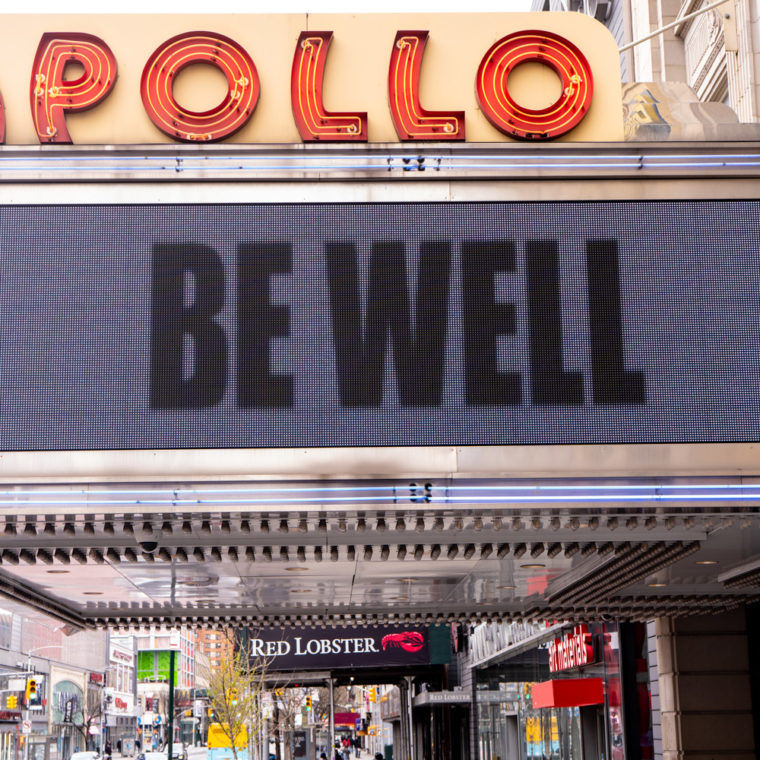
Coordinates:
x,y
105,702
28,674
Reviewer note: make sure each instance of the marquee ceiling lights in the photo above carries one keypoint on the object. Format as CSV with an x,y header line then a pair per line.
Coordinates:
x,y
440,494
225,163
555,541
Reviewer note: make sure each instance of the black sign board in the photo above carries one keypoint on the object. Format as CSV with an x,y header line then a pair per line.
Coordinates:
x,y
396,324
333,649
300,745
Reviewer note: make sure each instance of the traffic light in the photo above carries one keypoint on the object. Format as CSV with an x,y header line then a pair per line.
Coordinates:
x,y
372,694
31,689
308,703
12,701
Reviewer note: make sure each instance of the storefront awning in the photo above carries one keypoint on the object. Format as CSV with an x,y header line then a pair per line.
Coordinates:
x,y
570,692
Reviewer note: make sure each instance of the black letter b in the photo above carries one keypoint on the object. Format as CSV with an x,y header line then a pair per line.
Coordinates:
x,y
171,319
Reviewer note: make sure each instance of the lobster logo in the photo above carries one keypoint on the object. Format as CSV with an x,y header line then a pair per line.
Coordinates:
x,y
408,641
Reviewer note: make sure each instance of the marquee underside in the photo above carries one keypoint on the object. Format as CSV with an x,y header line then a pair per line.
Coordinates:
x,y
358,552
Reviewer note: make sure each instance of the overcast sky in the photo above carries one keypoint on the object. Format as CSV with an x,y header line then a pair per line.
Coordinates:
x,y
257,6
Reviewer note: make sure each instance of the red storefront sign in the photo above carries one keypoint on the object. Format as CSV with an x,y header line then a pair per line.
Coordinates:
x,y
574,650
572,692
346,718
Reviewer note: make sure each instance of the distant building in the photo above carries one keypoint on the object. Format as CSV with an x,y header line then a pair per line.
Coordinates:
x,y
67,668
153,674
121,711
214,644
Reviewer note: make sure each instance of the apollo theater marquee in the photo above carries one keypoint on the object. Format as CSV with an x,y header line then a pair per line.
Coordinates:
x,y
358,319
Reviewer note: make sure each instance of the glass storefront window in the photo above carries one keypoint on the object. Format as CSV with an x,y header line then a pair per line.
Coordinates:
x,y
511,729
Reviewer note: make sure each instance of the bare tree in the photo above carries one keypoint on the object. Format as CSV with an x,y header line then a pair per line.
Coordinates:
x,y
234,692
82,719
321,704
288,703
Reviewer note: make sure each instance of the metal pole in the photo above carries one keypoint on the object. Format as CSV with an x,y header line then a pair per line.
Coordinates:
x,y
170,716
26,705
332,719
675,23
411,721
262,730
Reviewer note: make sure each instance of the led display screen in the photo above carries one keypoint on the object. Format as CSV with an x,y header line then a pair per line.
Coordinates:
x,y
414,324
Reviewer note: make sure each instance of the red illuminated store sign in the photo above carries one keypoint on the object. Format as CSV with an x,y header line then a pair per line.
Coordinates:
x,y
53,96
572,651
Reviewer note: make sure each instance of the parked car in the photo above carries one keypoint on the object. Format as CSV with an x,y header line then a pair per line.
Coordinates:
x,y
88,755
152,755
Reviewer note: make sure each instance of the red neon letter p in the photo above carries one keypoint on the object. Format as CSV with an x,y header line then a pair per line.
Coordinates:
x,y
52,96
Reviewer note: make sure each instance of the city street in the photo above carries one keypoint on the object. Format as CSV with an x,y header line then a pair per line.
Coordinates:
x,y
199,753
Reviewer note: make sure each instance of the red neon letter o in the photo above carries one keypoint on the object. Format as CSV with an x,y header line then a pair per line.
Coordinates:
x,y
199,47
533,46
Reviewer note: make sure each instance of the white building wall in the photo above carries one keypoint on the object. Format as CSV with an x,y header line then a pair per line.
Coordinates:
x,y
642,54
715,53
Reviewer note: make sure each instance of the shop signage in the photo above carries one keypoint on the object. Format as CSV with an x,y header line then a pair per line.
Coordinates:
x,y
312,649
410,62
488,639
300,744
346,718
573,650
442,698
570,692
390,704
96,678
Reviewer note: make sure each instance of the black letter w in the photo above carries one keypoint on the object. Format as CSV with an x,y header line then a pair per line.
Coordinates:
x,y
360,355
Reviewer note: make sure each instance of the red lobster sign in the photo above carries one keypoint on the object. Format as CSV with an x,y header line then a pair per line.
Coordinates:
x,y
409,641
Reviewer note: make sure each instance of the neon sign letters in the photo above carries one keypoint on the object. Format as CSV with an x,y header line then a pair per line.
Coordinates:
x,y
564,58
199,47
53,94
